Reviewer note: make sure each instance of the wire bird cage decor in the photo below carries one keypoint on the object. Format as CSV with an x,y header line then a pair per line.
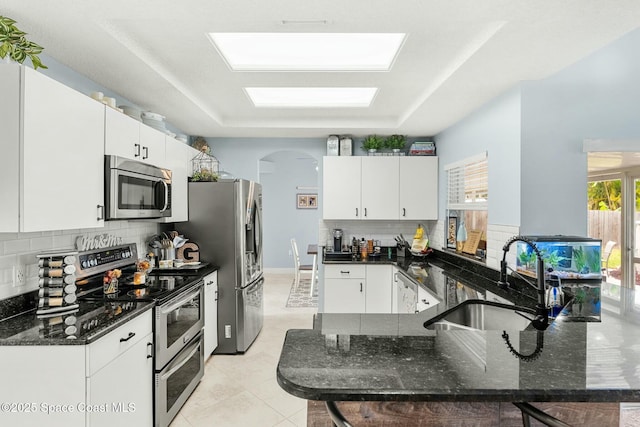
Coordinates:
x,y
204,167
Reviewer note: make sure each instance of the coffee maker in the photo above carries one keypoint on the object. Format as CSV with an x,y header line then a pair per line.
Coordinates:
x,y
337,240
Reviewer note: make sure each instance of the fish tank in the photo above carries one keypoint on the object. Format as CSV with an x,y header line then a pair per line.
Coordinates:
x,y
565,257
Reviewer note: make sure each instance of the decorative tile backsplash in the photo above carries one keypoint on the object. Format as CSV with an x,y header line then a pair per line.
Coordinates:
x,y
20,249
385,231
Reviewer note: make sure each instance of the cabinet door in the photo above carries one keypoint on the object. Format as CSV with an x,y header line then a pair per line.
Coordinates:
x,y
62,174
122,135
124,387
380,181
152,142
179,157
210,313
344,296
379,289
341,187
418,188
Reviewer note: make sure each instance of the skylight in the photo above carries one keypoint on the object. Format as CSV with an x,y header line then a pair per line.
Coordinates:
x,y
308,51
311,97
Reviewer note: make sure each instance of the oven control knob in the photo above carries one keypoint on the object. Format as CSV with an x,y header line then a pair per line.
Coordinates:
x,y
84,264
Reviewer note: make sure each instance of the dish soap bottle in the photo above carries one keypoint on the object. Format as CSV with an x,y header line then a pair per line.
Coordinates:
x,y
555,298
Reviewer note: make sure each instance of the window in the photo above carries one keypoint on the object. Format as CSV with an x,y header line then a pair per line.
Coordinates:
x,y
468,187
467,202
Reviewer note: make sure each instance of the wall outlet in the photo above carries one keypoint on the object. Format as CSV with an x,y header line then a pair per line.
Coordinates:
x,y
19,275
227,331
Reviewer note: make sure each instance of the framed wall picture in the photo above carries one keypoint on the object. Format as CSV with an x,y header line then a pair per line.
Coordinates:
x,y
307,201
452,230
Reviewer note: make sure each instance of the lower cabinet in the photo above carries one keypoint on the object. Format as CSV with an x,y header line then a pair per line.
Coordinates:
x,y
210,313
120,393
344,288
379,289
108,382
350,288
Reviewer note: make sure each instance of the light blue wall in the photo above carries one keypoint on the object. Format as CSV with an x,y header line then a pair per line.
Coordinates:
x,y
495,128
534,135
281,175
285,170
596,98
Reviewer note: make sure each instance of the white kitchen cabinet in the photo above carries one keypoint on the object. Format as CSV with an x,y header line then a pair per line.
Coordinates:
x,y
418,187
344,288
426,299
123,388
210,313
127,137
119,371
379,183
380,187
68,385
341,187
53,154
179,157
379,289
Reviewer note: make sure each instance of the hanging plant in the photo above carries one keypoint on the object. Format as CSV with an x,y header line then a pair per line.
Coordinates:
x,y
14,44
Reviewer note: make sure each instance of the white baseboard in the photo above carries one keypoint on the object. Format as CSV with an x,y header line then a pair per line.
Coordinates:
x,y
279,270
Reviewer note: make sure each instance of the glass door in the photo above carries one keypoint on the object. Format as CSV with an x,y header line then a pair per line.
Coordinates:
x,y
605,222
633,193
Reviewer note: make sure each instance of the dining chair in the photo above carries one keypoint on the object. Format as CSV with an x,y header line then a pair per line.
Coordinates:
x,y
299,268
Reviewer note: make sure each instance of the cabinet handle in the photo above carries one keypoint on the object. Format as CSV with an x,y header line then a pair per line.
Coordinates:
x,y
365,212
360,286
131,335
404,212
216,296
146,153
137,153
100,213
424,301
345,272
356,212
150,348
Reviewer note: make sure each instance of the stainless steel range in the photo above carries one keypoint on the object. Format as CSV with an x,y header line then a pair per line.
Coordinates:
x,y
178,321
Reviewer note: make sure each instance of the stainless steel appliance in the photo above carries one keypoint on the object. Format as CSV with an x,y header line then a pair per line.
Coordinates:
x,y
337,240
178,321
225,220
135,190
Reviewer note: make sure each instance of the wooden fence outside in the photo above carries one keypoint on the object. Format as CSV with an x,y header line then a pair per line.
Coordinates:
x,y
605,225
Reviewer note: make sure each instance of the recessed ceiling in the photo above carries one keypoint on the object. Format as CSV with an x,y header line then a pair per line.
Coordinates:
x,y
456,56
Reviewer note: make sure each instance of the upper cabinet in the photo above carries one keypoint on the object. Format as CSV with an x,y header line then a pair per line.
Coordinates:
x,y
53,154
380,187
179,157
127,137
418,187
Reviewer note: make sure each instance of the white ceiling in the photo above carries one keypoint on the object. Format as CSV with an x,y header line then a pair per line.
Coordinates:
x,y
458,55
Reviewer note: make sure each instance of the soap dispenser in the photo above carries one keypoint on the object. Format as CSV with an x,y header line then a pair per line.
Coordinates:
x,y
555,298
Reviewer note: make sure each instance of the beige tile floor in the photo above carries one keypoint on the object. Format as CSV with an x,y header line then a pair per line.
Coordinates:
x,y
242,390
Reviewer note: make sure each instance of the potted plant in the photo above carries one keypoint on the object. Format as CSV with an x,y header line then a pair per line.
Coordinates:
x,y
15,46
372,143
395,142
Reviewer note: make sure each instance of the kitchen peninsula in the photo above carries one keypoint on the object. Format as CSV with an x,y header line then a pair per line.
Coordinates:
x,y
389,367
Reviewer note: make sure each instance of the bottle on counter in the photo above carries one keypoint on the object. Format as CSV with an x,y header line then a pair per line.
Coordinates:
x,y
363,250
555,298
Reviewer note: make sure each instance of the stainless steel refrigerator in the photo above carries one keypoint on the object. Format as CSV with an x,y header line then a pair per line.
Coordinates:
x,y
225,221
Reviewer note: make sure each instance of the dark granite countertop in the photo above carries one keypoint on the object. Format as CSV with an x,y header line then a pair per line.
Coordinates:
x,y
90,321
392,357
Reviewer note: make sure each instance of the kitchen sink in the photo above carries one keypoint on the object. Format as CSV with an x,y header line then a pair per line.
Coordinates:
x,y
482,315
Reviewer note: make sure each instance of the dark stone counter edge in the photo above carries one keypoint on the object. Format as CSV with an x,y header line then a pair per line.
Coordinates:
x,y
80,341
489,395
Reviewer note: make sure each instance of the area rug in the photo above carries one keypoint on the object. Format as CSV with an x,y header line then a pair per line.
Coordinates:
x,y
299,297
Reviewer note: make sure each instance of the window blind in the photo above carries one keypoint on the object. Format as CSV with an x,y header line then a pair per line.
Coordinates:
x,y
468,183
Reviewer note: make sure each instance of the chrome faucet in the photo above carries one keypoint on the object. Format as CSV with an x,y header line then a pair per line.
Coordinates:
x,y
541,321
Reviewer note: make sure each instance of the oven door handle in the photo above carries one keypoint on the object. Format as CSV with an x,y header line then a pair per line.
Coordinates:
x,y
166,196
181,364
170,308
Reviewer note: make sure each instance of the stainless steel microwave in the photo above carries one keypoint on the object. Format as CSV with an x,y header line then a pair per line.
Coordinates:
x,y
136,190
